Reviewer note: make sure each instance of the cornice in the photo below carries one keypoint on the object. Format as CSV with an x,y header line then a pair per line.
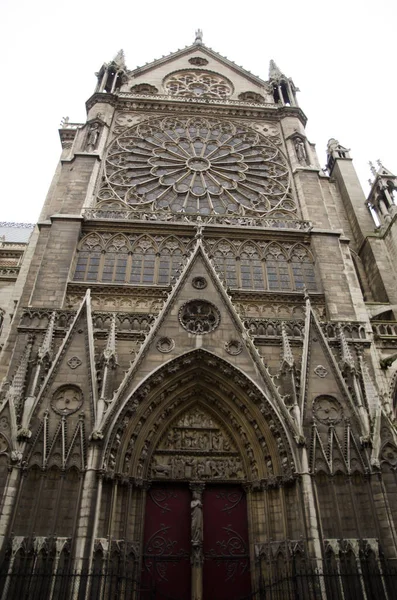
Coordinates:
x,y
106,289
179,222
276,296
231,108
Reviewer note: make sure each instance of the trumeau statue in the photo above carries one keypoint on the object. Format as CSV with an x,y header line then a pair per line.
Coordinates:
x,y
197,518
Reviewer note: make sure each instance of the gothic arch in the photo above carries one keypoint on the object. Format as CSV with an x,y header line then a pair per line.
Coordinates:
x,y
118,243
199,377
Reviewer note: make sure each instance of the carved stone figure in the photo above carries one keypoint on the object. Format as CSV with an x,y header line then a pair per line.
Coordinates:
x,y
93,136
301,151
197,517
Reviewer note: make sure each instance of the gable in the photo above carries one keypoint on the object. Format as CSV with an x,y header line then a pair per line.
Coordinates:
x,y
196,60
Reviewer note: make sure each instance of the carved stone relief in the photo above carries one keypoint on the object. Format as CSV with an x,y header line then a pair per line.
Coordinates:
x,y
67,399
74,362
320,371
165,344
195,448
389,455
327,410
234,347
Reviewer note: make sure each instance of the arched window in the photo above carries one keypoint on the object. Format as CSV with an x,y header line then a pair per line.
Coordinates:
x,y
143,262
170,261
277,269
225,262
302,270
251,268
115,261
89,258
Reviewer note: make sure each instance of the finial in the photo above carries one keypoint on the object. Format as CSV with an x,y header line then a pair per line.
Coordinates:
x,y
199,36
372,168
274,71
64,122
379,163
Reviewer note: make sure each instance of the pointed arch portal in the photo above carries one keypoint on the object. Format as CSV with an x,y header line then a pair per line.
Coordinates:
x,y
196,436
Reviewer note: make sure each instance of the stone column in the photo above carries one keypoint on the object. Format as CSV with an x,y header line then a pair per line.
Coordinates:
x,y
197,556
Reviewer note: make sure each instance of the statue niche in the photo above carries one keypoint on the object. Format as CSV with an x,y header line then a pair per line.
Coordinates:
x,y
196,447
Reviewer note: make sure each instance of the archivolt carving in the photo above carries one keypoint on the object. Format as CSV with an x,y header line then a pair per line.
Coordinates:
x,y
201,377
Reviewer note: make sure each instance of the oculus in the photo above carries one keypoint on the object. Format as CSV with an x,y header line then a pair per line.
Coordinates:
x,y
199,283
67,399
201,84
199,61
198,166
199,317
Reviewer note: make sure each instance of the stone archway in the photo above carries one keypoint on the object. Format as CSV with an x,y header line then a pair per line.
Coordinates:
x,y
198,433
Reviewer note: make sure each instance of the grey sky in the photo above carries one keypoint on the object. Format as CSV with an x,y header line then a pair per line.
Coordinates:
x,y
341,54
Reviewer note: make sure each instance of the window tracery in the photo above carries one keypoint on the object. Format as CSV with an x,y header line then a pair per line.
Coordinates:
x,y
139,262
202,84
198,166
145,260
264,267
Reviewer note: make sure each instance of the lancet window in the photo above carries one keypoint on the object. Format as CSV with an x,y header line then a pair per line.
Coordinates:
x,y
142,262
269,267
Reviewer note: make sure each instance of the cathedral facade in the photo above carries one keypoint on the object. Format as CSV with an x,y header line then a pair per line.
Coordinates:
x,y
198,397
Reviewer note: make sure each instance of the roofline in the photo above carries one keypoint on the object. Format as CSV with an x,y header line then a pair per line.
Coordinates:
x,y
206,50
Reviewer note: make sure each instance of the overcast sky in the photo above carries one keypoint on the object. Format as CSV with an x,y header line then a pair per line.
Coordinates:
x,y
341,54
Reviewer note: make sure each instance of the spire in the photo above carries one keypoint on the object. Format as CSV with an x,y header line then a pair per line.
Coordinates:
x,y
199,36
274,71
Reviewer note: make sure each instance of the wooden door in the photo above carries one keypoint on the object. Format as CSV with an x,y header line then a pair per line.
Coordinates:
x,y
226,573
166,569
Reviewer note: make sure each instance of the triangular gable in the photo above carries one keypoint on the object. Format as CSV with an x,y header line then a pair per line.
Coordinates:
x,y
74,365
320,371
199,49
229,340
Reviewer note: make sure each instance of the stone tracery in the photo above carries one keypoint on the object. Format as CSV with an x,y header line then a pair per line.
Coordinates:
x,y
198,83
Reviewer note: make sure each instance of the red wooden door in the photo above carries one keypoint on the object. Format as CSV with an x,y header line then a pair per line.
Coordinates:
x,y
226,573
166,570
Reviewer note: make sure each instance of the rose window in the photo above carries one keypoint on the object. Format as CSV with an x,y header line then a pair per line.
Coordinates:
x,y
197,166
199,317
199,84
